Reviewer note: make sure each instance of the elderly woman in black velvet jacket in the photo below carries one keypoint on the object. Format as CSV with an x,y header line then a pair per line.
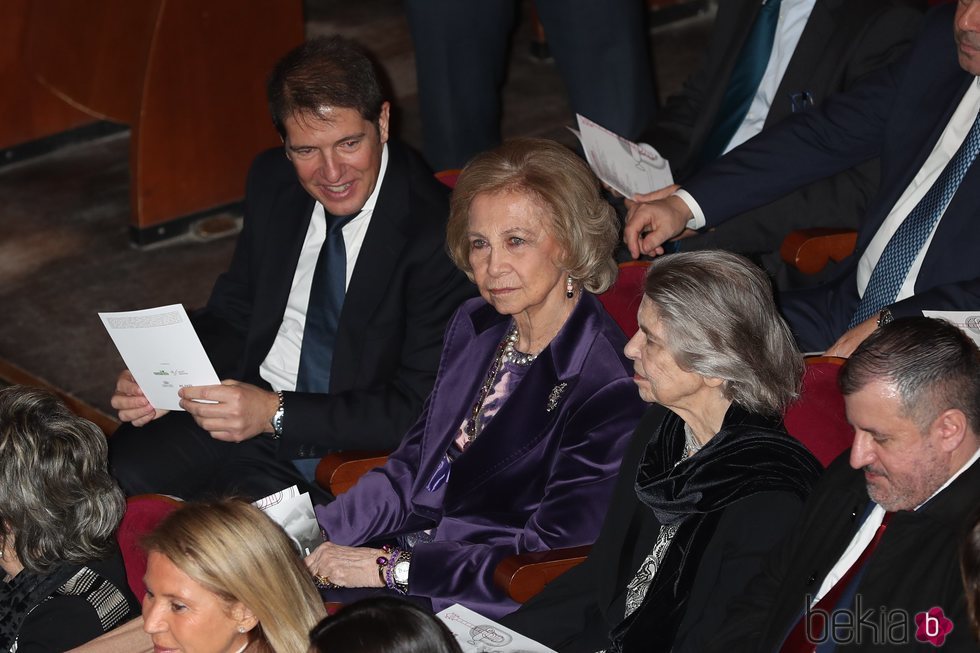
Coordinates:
x,y
710,481
64,582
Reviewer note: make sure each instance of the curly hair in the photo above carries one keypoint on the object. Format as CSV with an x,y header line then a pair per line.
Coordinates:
x,y
583,223
57,499
234,550
721,321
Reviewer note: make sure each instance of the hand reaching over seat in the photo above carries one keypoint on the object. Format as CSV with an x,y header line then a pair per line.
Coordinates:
x,y
653,219
853,337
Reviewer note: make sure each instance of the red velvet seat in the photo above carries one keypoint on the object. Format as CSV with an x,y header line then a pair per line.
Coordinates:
x,y
622,300
817,418
143,513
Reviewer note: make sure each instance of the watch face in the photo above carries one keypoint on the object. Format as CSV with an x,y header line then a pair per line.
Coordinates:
x,y
401,572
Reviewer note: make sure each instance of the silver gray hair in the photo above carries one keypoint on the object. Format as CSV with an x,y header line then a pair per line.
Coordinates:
x,y
57,499
720,320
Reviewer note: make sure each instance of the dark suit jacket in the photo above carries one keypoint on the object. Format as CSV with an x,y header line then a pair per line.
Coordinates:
x,y
897,114
842,43
914,568
403,290
538,477
577,612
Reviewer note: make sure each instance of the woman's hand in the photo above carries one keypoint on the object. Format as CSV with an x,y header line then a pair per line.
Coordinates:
x,y
345,566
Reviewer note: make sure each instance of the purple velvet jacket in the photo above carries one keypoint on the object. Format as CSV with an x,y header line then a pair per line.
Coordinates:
x,y
539,476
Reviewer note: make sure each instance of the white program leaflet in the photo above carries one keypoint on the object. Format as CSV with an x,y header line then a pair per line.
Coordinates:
x,y
969,321
162,350
477,634
294,512
626,167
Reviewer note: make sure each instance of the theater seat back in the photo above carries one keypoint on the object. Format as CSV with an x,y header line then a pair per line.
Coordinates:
x,y
817,418
143,513
622,300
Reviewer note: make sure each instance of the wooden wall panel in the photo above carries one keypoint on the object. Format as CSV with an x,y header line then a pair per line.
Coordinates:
x,y
30,111
204,113
187,76
94,53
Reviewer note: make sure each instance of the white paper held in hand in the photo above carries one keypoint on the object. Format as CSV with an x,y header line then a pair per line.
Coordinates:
x,y
626,167
162,350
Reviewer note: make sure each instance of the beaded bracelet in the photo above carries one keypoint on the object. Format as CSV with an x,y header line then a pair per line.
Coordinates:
x,y
386,568
383,564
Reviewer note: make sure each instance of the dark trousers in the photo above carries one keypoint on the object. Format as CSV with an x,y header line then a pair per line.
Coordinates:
x,y
599,46
173,455
818,316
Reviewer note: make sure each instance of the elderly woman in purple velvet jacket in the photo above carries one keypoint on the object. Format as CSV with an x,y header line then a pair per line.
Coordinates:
x,y
518,444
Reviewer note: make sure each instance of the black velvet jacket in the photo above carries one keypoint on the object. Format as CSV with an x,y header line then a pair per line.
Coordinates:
x,y
731,502
751,454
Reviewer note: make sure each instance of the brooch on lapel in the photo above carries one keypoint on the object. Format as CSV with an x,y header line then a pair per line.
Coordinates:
x,y
555,396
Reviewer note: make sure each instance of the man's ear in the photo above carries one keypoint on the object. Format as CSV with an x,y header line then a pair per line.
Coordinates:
x,y
948,429
383,121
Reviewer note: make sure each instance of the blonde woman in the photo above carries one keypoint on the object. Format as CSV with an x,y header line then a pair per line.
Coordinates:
x,y
221,577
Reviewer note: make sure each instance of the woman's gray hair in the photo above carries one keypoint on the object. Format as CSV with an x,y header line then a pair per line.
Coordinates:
x,y
720,320
582,222
57,499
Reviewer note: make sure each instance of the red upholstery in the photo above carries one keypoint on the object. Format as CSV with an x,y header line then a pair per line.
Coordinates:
x,y
448,177
143,513
817,418
623,299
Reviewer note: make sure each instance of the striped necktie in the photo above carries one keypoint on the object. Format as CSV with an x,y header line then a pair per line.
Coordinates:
x,y
896,259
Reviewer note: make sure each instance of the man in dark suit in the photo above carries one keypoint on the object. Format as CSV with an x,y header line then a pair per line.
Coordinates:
x,y
328,323
820,47
461,51
879,536
917,115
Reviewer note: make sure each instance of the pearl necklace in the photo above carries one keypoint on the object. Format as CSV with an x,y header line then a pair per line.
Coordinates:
x,y
510,350
505,352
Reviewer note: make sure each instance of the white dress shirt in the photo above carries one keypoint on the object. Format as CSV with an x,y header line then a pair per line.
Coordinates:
x,y
281,364
793,15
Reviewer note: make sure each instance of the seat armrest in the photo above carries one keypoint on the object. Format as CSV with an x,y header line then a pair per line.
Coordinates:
x,y
338,472
809,250
525,574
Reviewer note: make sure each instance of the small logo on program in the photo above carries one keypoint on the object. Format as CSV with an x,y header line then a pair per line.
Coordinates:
x,y
932,626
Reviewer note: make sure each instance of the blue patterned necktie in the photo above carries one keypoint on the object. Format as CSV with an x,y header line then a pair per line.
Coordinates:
x,y
896,259
744,81
323,309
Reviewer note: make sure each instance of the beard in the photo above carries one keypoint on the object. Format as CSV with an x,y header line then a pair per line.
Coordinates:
x,y
908,490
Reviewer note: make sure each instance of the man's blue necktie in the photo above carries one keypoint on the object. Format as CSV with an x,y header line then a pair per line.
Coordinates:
x,y
744,82
323,310
896,259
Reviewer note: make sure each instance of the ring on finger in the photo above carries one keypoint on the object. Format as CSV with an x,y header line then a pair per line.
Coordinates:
x,y
322,581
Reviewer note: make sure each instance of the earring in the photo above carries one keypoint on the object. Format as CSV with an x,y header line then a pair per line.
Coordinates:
x,y
569,288
241,629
